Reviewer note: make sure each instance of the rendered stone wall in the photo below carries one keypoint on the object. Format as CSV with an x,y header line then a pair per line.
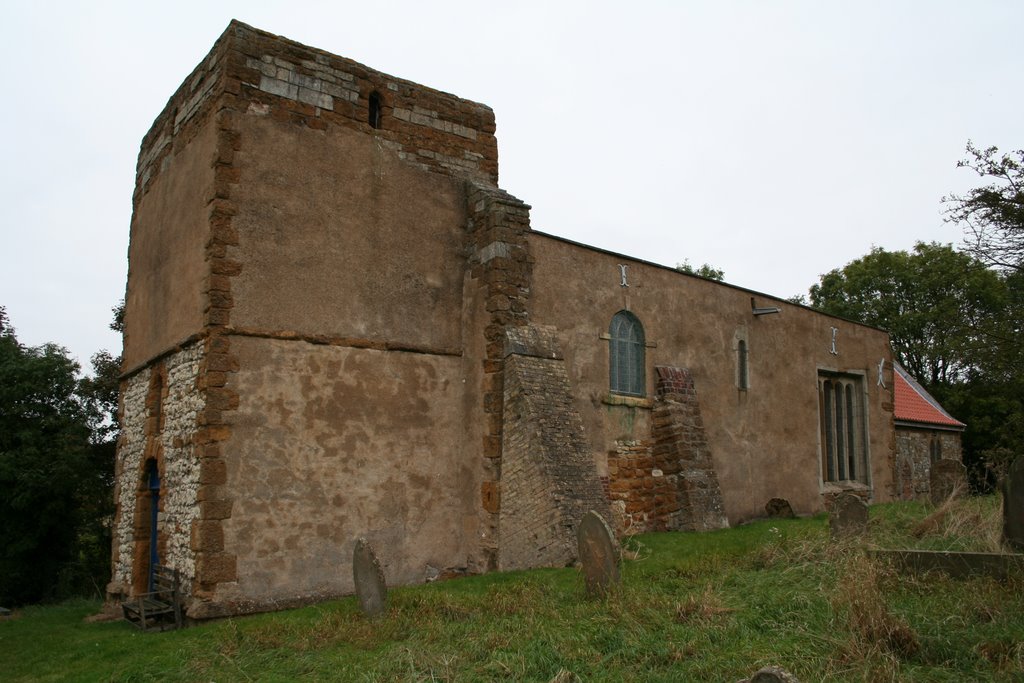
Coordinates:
x,y
433,130
763,439
330,443
311,87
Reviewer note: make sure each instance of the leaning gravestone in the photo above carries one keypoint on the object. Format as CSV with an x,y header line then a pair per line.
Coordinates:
x,y
369,579
1013,505
773,674
947,478
779,508
599,554
849,516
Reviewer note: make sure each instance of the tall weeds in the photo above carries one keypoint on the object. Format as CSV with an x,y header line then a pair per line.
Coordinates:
x,y
875,637
964,523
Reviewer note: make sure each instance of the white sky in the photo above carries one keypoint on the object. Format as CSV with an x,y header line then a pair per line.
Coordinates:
x,y
774,140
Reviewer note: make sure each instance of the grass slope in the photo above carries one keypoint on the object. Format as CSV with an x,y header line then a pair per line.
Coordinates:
x,y
692,607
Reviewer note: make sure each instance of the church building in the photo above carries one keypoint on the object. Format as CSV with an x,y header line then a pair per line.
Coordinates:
x,y
338,325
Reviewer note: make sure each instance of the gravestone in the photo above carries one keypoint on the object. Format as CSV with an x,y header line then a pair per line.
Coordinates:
x,y
599,554
848,517
371,590
1013,505
773,674
779,508
947,477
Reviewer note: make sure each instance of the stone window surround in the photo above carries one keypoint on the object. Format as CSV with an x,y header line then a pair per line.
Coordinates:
x,y
863,483
613,398
741,346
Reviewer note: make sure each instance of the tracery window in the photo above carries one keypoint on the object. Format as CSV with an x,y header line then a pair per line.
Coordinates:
x,y
626,355
843,429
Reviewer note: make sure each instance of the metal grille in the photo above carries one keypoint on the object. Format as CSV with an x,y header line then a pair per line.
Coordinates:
x,y
627,355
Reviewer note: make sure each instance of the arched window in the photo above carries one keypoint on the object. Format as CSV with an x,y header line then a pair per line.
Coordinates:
x,y
626,354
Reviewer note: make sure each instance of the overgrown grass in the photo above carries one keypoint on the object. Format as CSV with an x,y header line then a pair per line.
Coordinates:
x,y
714,606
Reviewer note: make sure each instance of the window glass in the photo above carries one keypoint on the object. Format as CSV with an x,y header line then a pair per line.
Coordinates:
x,y
843,438
626,355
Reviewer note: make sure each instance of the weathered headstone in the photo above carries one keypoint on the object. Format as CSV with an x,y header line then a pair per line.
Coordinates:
x,y
599,554
773,674
371,590
947,478
1013,505
779,508
849,516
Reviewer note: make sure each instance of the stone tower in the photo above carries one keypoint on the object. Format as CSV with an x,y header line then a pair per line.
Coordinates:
x,y
322,277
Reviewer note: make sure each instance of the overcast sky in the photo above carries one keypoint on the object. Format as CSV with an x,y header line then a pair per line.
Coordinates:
x,y
773,140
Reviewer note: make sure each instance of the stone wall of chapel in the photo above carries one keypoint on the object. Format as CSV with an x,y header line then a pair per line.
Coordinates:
x,y
764,439
914,458
330,443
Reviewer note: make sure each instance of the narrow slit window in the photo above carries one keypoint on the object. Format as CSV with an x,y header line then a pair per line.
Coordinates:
x,y
375,109
742,371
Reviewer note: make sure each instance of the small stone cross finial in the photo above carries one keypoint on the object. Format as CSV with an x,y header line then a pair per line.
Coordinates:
x,y
622,270
835,331
881,377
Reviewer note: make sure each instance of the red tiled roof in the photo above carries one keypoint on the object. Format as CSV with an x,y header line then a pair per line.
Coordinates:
x,y
914,404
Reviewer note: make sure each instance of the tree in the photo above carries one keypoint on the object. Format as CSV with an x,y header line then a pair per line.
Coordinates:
x,y
99,392
992,215
938,305
57,444
705,270
44,450
954,324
